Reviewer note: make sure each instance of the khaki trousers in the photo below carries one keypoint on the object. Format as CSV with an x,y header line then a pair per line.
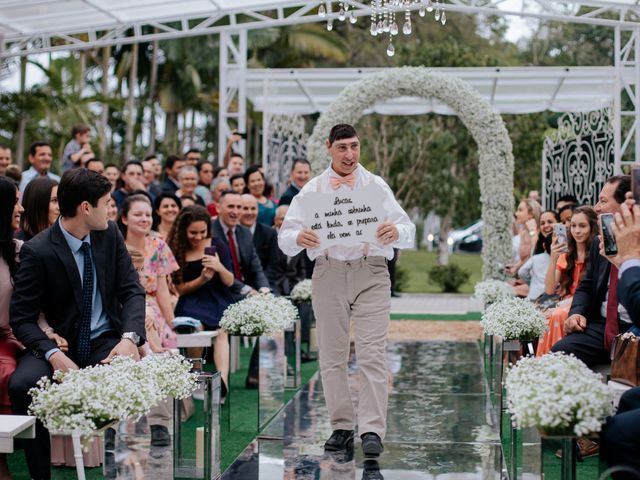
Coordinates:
x,y
359,291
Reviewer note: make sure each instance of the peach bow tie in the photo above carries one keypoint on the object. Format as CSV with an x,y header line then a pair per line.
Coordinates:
x,y
349,180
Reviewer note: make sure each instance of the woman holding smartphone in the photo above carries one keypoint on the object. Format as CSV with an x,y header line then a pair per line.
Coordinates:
x,y
204,278
568,263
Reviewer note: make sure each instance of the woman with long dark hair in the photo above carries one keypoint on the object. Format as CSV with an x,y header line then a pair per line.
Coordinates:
x,y
41,210
256,186
10,212
203,280
565,271
166,208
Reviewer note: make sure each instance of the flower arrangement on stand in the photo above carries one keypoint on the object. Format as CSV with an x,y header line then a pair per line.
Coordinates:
x,y
301,292
260,314
558,395
492,291
86,400
514,318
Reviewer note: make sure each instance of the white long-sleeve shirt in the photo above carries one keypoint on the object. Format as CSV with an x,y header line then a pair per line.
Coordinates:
x,y
294,220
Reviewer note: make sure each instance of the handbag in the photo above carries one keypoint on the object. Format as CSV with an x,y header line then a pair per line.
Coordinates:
x,y
625,359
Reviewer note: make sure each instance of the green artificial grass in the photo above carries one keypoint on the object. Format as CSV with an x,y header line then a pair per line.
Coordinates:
x,y
240,412
417,264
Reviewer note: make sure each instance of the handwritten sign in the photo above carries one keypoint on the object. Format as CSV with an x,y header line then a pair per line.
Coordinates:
x,y
345,218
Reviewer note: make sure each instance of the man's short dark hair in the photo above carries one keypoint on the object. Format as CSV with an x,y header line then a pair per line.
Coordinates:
x,y
567,198
171,160
232,178
342,131
568,206
236,154
201,164
80,185
79,129
303,161
228,192
129,163
93,160
33,148
150,157
4,146
623,185
192,150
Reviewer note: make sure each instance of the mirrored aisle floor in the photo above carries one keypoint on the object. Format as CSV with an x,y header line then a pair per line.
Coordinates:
x,y
439,425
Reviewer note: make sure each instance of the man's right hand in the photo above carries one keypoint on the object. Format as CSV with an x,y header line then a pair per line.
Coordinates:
x,y
59,361
575,323
307,238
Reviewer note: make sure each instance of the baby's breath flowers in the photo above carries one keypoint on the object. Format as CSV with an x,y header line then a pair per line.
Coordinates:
x,y
491,291
260,314
514,319
301,292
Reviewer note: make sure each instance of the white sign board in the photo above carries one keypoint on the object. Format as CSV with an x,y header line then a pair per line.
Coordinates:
x,y
345,218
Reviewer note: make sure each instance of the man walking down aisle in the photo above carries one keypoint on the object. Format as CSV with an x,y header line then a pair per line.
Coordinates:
x,y
351,284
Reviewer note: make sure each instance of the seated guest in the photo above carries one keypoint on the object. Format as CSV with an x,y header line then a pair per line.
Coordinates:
x,y
130,181
152,169
167,208
112,172
40,158
265,238
237,183
5,159
188,180
566,212
159,263
596,317
534,270
40,201
256,186
620,442
14,172
205,177
565,200
172,167
193,157
220,172
218,186
527,224
98,307
203,280
300,176
187,201
78,150
95,164
112,209
10,211
566,270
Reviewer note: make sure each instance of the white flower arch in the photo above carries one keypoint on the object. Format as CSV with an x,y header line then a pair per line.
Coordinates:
x,y
484,123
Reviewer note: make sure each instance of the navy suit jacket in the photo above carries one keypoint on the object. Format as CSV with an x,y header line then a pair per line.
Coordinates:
x,y
48,281
288,195
629,293
592,289
249,261
265,240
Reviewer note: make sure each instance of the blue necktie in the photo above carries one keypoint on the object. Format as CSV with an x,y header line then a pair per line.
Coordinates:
x,y
84,337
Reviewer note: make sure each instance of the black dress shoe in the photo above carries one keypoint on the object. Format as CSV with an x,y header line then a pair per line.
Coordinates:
x,y
371,445
339,440
306,357
371,470
160,436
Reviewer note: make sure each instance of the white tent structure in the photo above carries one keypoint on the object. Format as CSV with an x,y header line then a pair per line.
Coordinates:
x,y
37,26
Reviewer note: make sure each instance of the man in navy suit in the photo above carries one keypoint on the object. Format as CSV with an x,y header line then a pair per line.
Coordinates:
x,y
300,176
620,442
79,274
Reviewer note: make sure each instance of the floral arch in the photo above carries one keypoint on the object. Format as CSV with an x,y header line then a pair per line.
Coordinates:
x,y
484,123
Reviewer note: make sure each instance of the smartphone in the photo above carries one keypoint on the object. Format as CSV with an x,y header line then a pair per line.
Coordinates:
x,y
242,134
560,229
635,183
606,223
211,251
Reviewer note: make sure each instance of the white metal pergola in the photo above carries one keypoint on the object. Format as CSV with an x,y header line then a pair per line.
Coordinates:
x,y
38,26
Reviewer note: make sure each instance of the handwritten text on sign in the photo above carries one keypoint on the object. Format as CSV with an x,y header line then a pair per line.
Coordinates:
x,y
344,218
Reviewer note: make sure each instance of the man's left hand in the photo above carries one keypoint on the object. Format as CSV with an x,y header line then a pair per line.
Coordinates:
x,y
387,233
126,348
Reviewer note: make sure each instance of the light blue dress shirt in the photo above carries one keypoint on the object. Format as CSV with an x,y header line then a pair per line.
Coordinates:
x,y
32,173
99,321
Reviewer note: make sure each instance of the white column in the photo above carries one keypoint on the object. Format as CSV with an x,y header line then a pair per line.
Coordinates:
x,y
233,89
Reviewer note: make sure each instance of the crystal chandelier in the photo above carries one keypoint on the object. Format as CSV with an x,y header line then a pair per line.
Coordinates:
x,y
383,16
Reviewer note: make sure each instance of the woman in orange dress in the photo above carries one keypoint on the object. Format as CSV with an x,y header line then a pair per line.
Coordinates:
x,y
565,272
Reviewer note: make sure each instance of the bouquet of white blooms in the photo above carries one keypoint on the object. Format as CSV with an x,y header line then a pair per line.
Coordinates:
x,y
301,292
491,291
88,399
514,318
259,314
558,394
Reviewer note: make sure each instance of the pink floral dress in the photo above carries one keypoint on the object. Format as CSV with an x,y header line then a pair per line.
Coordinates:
x,y
158,262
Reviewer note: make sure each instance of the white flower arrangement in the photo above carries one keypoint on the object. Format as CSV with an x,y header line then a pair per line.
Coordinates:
x,y
260,314
88,399
301,292
483,121
514,318
558,394
492,291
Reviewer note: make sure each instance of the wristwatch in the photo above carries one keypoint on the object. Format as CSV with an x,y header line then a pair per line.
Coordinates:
x,y
133,336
